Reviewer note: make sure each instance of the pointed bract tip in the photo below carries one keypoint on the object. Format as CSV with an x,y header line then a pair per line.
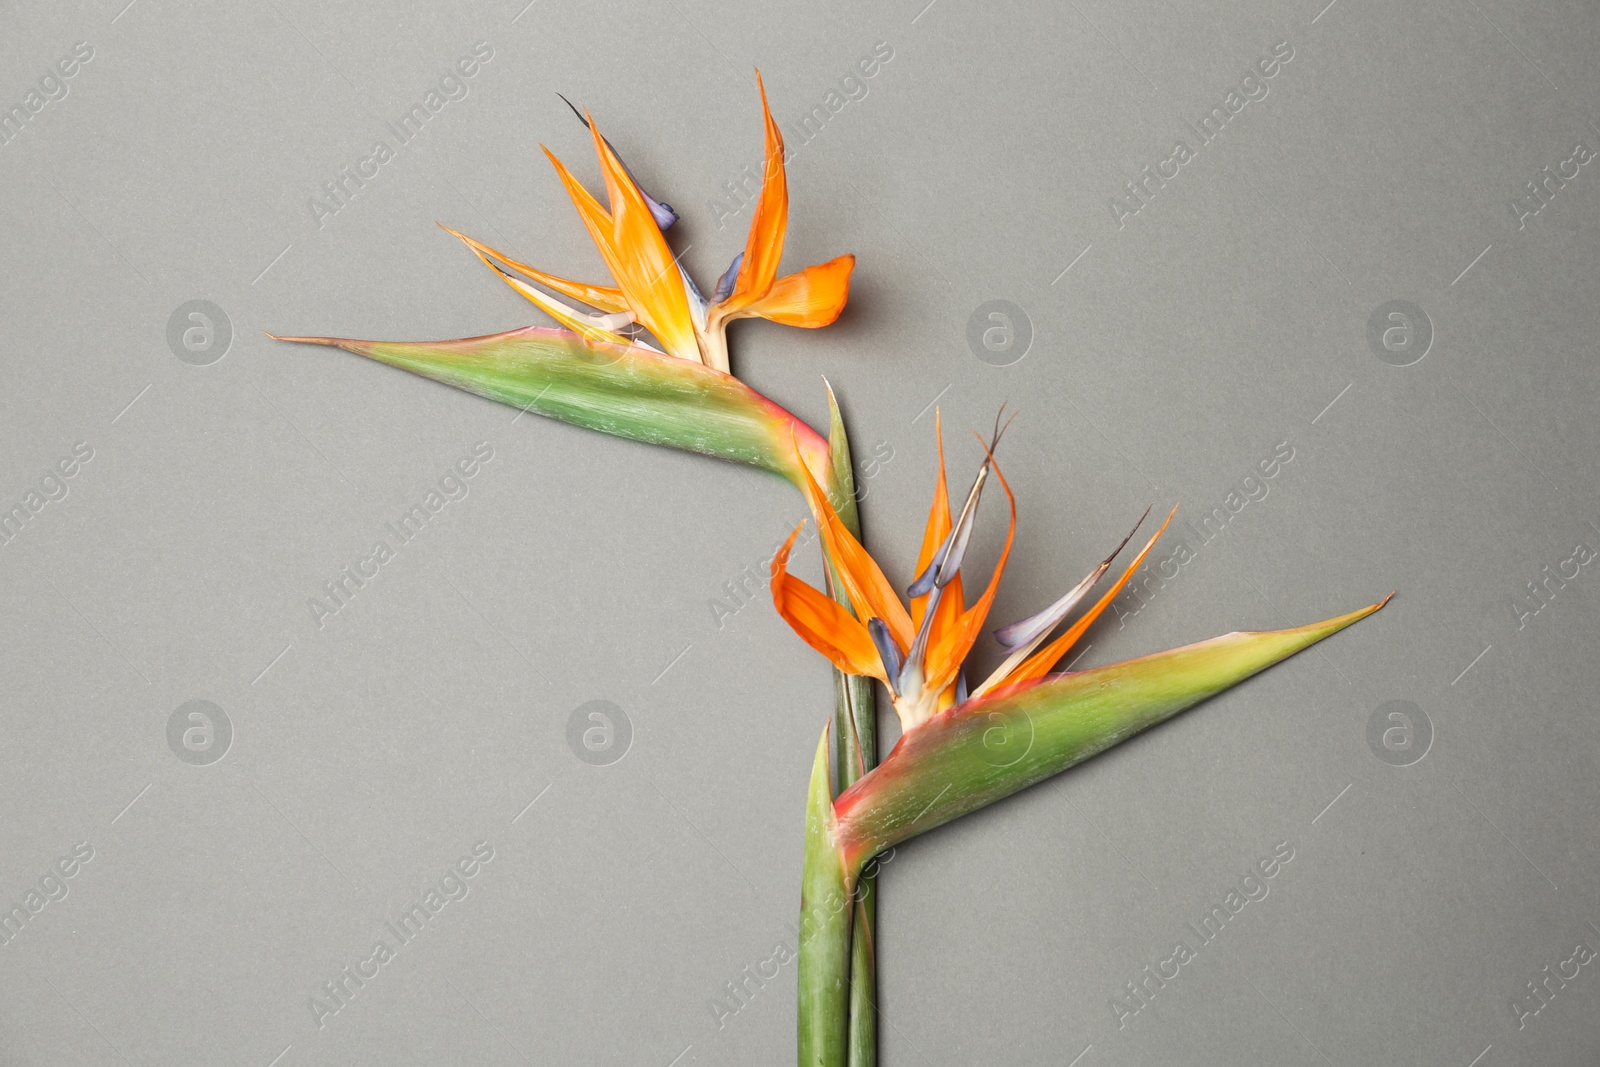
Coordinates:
x,y
834,413
332,342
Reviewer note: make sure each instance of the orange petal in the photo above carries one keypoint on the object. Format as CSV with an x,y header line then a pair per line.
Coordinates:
x,y
938,528
763,248
814,297
602,229
1039,664
595,217
821,622
648,271
869,591
945,656
571,318
600,296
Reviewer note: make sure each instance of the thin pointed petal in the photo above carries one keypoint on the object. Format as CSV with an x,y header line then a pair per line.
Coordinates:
x,y
951,600
945,655
644,266
980,752
626,269
946,563
570,317
869,591
961,534
763,247
937,528
912,674
604,297
662,211
594,216
1039,664
1034,627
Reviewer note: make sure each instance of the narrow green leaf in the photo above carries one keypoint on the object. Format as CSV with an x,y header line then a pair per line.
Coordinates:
x,y
624,391
842,493
974,755
825,914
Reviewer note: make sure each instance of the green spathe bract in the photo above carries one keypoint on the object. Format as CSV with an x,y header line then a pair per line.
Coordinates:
x,y
624,391
825,917
971,756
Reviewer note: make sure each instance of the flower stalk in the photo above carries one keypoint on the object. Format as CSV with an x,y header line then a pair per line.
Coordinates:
x,y
855,734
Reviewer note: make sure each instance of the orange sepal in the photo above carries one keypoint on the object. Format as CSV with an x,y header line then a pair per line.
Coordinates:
x,y
598,221
596,218
604,297
945,657
869,591
644,265
951,600
763,248
1039,664
811,298
822,622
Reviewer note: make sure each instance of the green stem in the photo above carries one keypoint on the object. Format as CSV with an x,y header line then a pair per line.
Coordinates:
x,y
863,1050
855,748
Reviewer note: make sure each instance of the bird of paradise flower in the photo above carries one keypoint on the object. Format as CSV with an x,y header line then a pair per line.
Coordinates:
x,y
960,749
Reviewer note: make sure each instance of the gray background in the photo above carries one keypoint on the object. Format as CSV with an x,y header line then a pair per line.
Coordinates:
x,y
370,754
